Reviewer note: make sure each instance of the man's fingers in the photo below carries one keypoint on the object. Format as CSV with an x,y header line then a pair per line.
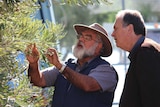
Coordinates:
x,y
31,50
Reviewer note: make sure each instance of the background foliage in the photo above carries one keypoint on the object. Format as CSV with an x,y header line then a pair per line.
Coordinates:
x,y
18,28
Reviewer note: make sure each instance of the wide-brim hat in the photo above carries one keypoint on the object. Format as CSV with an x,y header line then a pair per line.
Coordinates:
x,y
107,50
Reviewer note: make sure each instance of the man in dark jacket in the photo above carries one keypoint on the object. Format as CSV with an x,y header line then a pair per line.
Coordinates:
x,y
142,83
88,81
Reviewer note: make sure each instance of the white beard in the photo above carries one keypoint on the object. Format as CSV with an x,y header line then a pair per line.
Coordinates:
x,y
82,52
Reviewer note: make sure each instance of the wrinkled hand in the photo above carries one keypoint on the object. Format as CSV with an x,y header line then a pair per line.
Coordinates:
x,y
32,53
52,56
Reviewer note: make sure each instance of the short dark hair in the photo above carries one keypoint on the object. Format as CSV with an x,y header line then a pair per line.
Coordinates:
x,y
136,20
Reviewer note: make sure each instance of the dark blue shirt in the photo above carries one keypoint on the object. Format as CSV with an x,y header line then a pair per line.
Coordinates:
x,y
135,48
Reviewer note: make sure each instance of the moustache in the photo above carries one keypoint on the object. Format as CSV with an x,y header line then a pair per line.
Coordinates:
x,y
80,44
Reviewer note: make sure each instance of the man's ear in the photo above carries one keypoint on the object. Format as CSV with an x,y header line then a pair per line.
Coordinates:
x,y
130,28
100,46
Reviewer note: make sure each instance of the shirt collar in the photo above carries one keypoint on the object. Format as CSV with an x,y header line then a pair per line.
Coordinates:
x,y
136,46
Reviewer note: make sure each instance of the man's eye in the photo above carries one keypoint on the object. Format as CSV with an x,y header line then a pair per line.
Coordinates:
x,y
87,37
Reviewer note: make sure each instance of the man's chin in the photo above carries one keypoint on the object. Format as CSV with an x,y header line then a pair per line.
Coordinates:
x,y
78,55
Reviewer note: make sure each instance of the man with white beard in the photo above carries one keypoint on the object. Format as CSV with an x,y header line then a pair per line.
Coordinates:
x,y
88,81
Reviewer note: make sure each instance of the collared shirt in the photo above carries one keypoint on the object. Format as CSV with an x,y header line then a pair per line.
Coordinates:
x,y
134,49
104,74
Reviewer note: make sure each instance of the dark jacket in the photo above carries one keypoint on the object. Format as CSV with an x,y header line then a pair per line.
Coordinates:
x,y
142,84
67,95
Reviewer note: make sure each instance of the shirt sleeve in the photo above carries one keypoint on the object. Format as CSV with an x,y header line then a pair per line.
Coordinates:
x,y
50,75
106,76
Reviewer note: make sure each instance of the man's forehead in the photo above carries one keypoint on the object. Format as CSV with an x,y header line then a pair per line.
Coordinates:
x,y
88,31
118,22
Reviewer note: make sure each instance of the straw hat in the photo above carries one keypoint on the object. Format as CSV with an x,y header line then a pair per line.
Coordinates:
x,y
107,50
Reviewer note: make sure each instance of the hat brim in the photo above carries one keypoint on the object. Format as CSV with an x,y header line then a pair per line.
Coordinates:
x,y
107,51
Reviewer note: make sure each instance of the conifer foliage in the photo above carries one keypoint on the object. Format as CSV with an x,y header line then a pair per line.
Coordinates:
x,y
18,28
